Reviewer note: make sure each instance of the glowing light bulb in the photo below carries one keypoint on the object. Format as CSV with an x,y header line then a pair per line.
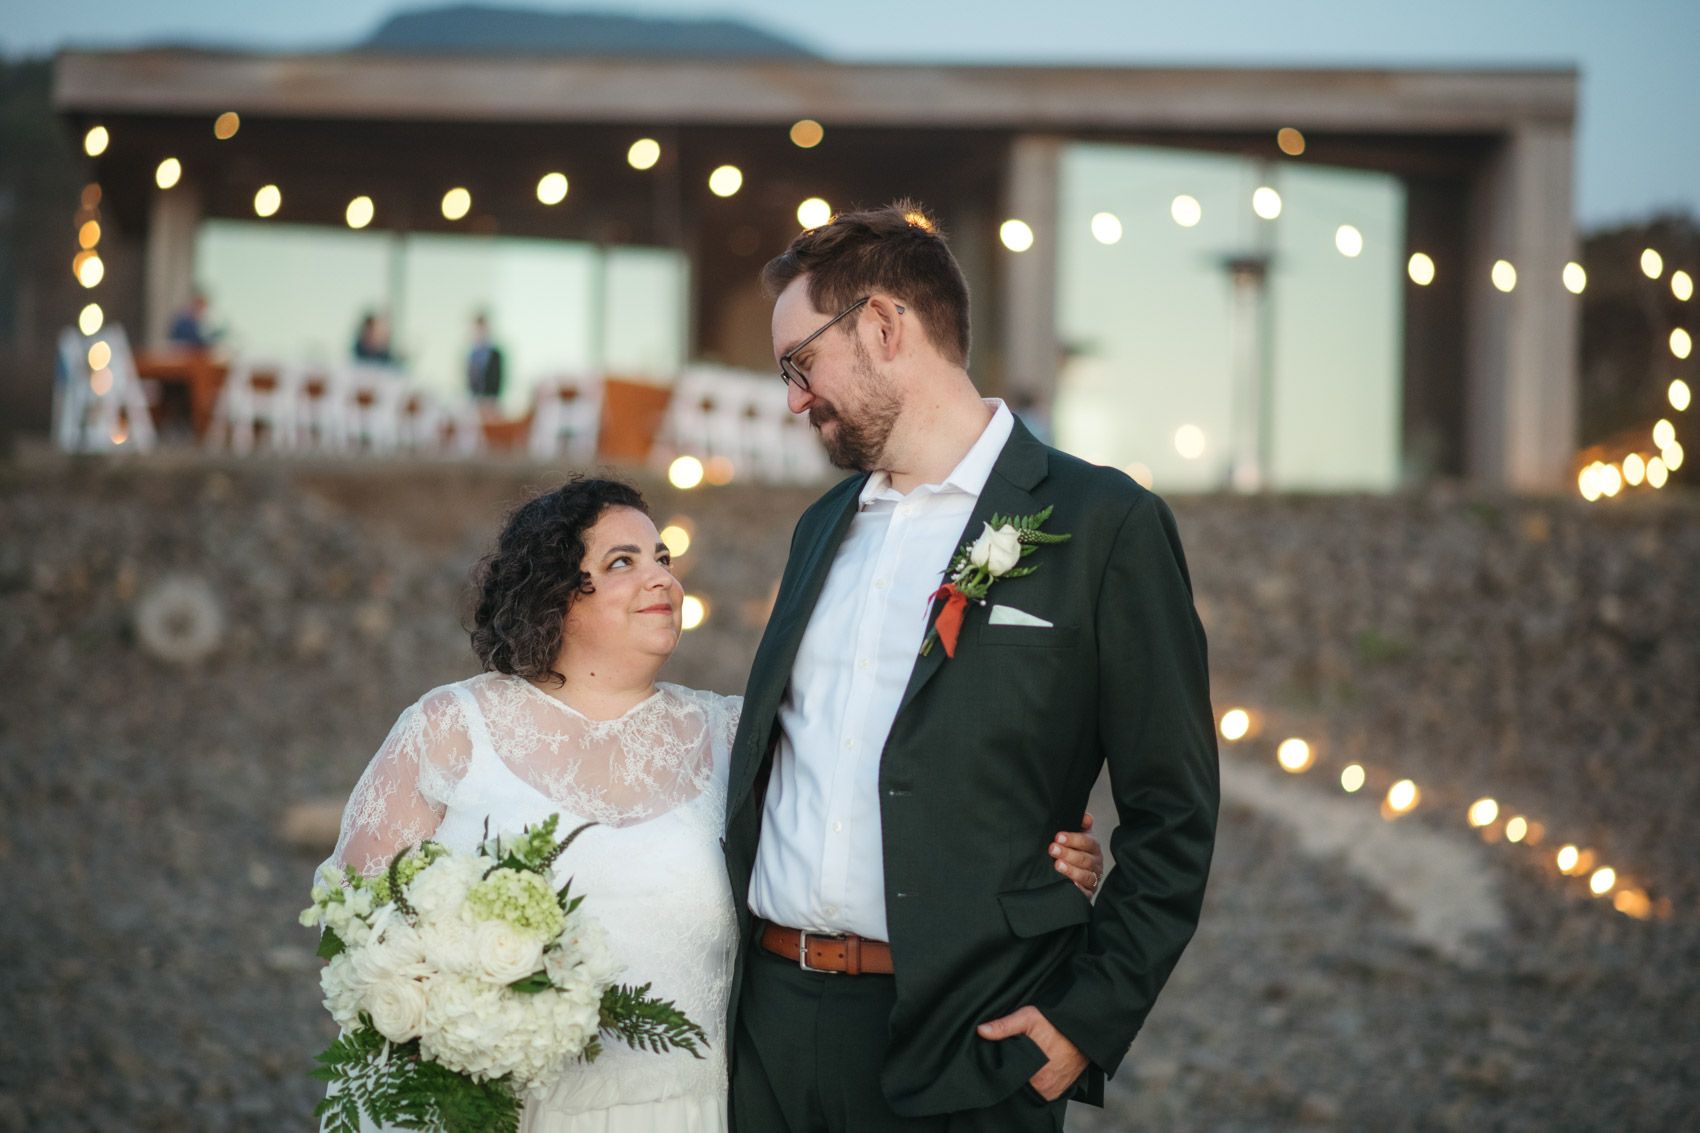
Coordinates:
x,y
1611,480
457,203
1516,828
1566,858
1349,241
693,611
1266,202
1657,473
1504,276
1017,235
726,180
1294,755
1575,278
814,212
1681,343
1189,442
96,141
806,133
100,356
1402,796
1634,469
552,188
1236,722
1679,395
90,271
1186,210
1291,141
359,212
1652,264
1106,228
1682,286
1663,433
677,538
685,473
1671,454
226,125
643,153
168,173
91,319
1352,778
1588,482
1420,269
267,200
1483,812
1602,880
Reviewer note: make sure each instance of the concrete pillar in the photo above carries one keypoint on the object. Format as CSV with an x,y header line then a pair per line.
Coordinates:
x,y
173,220
1521,365
1028,326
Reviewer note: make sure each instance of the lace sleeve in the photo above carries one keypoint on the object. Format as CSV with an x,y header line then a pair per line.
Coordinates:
x,y
401,797
724,713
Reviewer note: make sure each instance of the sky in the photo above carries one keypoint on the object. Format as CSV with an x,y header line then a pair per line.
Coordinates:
x,y
1638,152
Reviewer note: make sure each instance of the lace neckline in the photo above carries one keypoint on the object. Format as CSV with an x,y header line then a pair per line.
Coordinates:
x,y
590,721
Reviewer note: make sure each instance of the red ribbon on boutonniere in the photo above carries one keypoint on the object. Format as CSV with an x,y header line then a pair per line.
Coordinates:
x,y
949,623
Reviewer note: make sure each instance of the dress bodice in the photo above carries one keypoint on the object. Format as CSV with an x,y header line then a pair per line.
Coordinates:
x,y
497,750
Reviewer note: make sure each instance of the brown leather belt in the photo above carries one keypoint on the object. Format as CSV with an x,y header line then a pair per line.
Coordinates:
x,y
847,954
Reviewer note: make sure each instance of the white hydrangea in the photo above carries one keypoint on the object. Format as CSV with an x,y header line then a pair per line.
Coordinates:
x,y
440,888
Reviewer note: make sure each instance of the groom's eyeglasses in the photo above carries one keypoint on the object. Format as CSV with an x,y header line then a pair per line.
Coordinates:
x,y
790,372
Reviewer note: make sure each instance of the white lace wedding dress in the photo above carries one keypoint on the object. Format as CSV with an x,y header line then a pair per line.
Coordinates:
x,y
497,748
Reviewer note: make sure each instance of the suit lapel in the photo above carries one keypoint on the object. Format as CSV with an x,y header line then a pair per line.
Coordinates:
x,y
1019,469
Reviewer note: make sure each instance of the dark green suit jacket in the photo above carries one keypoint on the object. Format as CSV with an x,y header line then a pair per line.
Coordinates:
x,y
994,751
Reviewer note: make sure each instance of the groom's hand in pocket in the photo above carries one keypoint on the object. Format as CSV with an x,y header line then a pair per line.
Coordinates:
x,y
1064,1062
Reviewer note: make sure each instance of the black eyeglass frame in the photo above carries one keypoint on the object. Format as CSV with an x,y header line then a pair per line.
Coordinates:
x,y
789,372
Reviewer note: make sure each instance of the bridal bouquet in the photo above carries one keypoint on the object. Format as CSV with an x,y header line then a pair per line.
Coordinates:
x,y
461,981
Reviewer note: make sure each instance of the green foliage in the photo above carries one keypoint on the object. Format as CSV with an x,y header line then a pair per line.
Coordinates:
x,y
330,945
405,1091
645,1023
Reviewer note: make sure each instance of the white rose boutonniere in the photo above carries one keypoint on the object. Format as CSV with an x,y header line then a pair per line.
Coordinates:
x,y
1003,543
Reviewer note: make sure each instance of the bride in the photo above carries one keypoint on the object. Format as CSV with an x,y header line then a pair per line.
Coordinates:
x,y
577,611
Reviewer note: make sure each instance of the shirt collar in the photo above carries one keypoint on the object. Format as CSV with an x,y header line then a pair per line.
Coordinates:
x,y
971,472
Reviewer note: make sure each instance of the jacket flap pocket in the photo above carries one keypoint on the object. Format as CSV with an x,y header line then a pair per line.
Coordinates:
x,y
1034,912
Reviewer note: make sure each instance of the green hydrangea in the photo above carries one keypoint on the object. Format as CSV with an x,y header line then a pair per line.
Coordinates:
x,y
522,899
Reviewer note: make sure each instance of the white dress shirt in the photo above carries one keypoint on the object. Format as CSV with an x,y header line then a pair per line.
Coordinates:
x,y
820,862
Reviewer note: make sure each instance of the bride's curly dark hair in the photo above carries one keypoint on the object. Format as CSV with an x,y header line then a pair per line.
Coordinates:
x,y
526,584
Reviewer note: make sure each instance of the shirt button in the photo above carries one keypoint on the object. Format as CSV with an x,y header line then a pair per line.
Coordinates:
x,y
849,745
880,584
838,827
863,663
830,910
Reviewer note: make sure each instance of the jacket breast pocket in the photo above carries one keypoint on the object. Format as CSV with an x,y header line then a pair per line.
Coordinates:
x,y
1043,637
1049,908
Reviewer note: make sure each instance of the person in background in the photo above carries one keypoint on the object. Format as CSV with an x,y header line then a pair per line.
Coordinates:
x,y
189,325
372,341
483,363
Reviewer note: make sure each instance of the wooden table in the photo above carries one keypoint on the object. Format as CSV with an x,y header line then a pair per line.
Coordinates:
x,y
198,371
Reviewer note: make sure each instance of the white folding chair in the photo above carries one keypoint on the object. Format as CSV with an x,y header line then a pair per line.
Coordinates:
x,y
105,409
319,410
567,419
371,399
258,396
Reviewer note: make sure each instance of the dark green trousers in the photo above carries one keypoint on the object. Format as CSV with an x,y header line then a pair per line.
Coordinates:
x,y
807,1053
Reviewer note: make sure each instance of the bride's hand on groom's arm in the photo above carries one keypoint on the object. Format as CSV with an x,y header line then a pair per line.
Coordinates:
x,y
1064,1062
1079,857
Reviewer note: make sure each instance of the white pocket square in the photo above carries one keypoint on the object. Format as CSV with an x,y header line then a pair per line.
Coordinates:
x,y
1010,616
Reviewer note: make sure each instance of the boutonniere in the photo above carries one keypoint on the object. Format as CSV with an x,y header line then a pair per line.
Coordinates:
x,y
1005,541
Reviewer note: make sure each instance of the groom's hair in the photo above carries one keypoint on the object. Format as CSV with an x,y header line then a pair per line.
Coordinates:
x,y
524,587
898,249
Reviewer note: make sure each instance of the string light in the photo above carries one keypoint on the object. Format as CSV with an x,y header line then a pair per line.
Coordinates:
x,y
1291,141
89,234
693,611
1236,723
100,356
100,382
1420,268
1672,455
1682,286
552,188
1664,433
1189,442
1483,812
1575,278
360,212
677,538
1106,228
643,154
1652,264
226,125
814,212
1017,235
1678,395
1402,798
719,471
168,173
1352,778
1504,275
726,180
1186,211
1657,474
1349,241
1681,343
91,319
685,473
1602,880
1516,829
267,200
89,269
1266,202
457,202
806,133
1634,469
1567,858
1294,755
96,140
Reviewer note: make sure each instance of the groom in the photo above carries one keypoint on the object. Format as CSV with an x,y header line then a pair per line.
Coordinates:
x,y
906,962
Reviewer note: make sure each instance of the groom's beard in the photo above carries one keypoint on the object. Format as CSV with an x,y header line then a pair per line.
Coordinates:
x,y
858,443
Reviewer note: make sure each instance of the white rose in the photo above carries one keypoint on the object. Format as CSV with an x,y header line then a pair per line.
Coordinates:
x,y
505,953
399,953
397,1007
342,997
451,944
998,550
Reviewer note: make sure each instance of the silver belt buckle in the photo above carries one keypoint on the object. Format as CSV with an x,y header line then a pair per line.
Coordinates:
x,y
803,935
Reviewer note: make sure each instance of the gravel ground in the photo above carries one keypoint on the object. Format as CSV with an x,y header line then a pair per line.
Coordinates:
x,y
1538,651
